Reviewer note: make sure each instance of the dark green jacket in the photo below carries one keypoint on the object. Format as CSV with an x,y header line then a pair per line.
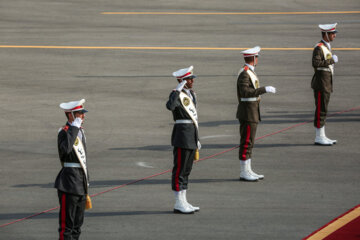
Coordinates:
x,y
248,111
322,80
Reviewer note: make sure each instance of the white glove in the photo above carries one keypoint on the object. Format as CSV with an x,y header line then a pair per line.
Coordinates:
x,y
77,122
335,58
270,89
181,85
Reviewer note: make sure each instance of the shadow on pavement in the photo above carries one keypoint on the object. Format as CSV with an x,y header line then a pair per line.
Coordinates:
x,y
112,183
55,214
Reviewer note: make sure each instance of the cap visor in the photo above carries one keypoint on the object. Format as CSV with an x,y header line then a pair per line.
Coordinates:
x,y
82,111
191,77
336,31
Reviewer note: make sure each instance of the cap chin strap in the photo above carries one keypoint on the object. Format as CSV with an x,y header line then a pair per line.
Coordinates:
x,y
186,87
327,36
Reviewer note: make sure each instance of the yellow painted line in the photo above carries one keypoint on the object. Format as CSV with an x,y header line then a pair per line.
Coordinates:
x,y
119,47
229,13
332,227
166,48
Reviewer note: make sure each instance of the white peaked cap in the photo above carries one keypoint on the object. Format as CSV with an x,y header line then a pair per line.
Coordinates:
x,y
251,51
73,106
328,27
184,73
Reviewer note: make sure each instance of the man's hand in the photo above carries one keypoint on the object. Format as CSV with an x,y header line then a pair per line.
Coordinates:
x,y
335,58
270,89
181,85
77,122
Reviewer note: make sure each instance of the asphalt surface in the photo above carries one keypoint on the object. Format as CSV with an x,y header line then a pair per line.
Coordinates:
x,y
128,127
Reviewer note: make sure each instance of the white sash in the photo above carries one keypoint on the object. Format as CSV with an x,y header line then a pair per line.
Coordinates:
x,y
80,153
327,55
190,108
255,81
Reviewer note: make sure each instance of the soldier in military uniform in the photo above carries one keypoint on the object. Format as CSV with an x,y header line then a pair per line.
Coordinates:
x,y
71,182
248,111
184,139
323,62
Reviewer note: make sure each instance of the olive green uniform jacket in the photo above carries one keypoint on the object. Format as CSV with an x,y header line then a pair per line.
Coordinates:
x,y
322,80
248,111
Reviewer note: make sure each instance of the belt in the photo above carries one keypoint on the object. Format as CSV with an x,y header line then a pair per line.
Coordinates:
x,y
70,164
252,99
324,69
183,121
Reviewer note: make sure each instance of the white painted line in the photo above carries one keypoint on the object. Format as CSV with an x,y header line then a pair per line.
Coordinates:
x,y
216,136
144,164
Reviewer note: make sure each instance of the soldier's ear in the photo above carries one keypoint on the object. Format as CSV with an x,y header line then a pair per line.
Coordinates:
x,y
69,116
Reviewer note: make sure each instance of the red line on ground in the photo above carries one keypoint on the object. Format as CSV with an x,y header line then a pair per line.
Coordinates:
x,y
31,216
161,173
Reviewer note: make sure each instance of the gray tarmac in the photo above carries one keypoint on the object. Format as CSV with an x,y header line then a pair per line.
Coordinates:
x,y
128,127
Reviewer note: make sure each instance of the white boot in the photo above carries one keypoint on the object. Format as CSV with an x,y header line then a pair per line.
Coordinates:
x,y
180,205
254,174
183,195
245,174
330,140
320,138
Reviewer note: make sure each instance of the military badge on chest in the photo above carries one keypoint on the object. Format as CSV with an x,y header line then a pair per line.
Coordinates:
x,y
76,142
186,101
